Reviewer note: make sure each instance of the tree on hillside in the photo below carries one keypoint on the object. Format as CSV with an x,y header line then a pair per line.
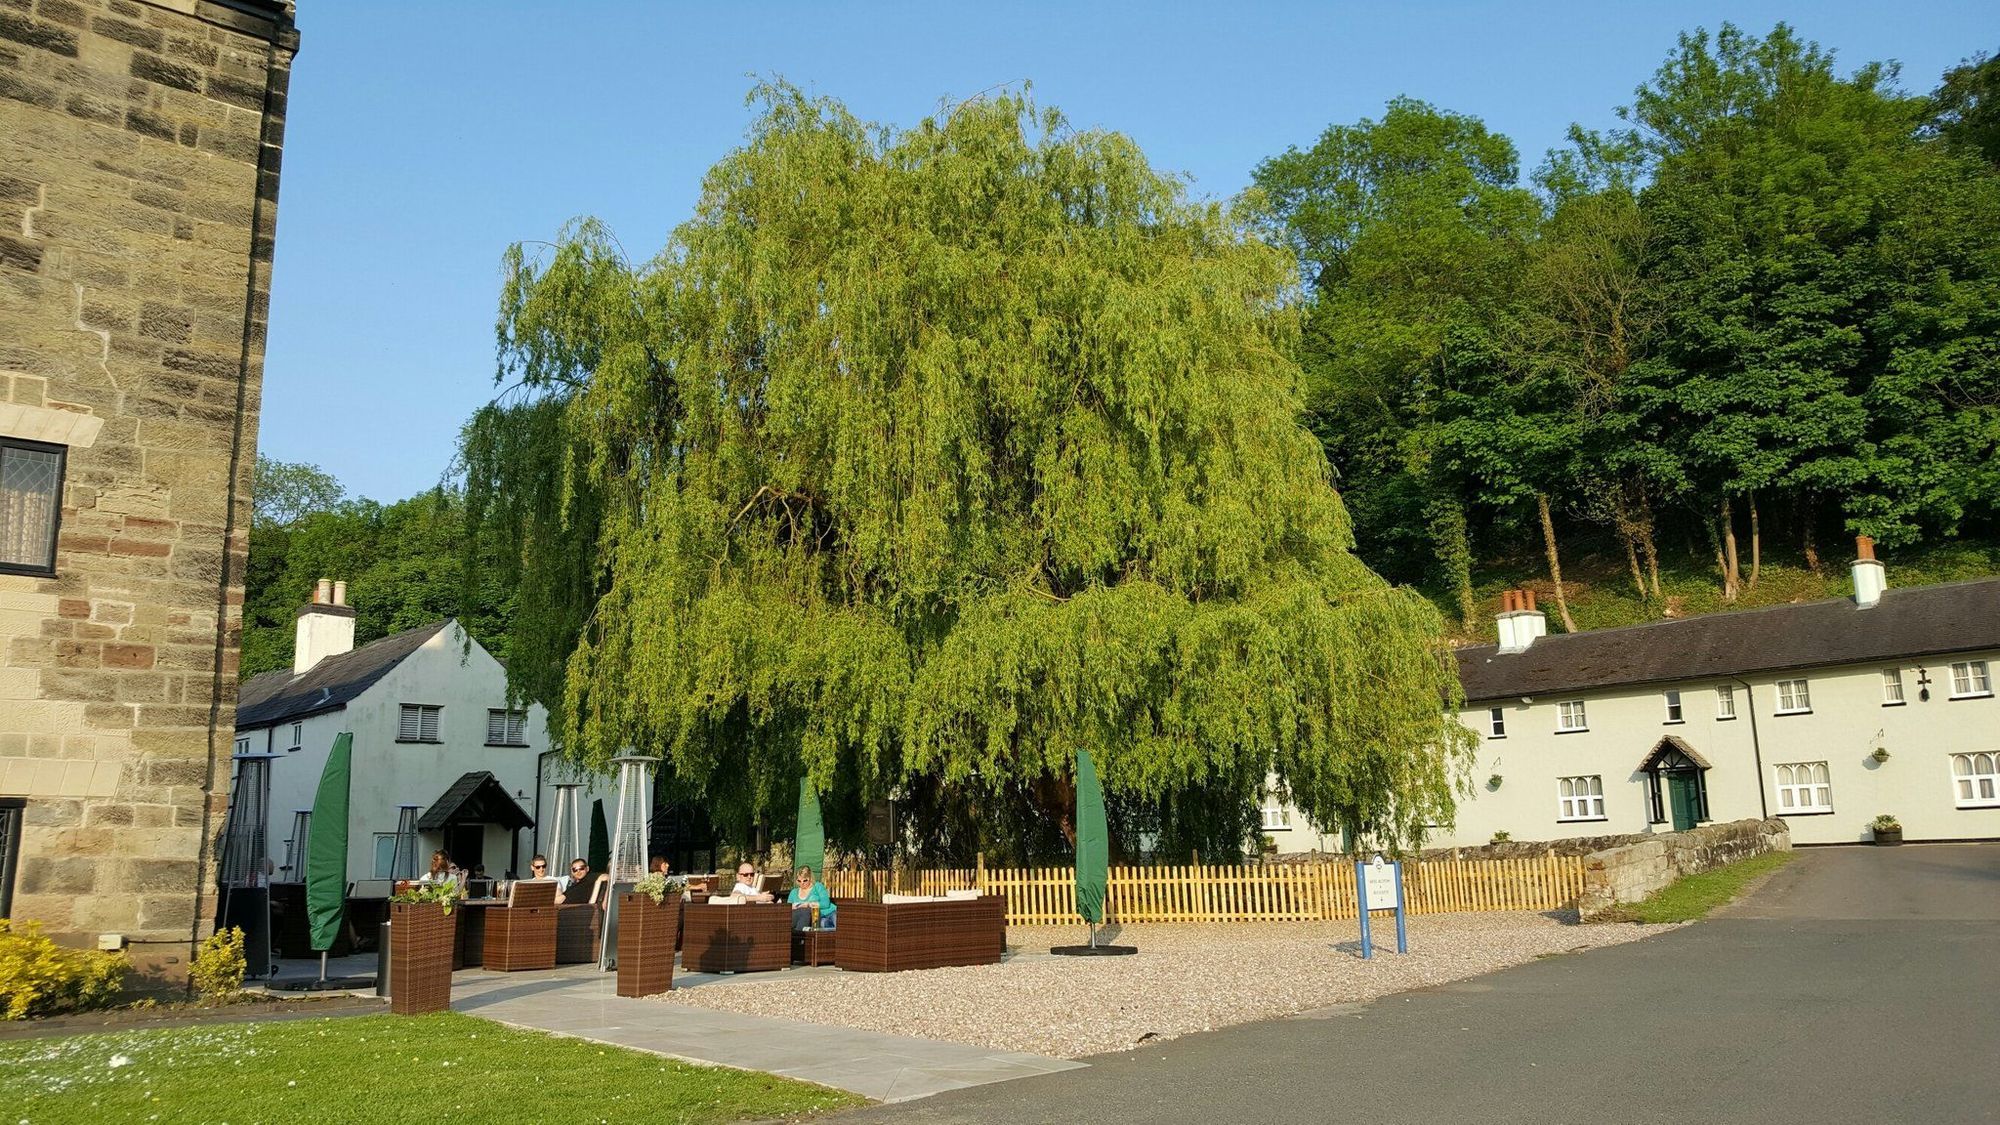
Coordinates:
x,y
920,460
286,493
1965,108
1411,230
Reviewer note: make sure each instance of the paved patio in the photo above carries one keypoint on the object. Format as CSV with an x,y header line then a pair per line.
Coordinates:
x,y
580,1001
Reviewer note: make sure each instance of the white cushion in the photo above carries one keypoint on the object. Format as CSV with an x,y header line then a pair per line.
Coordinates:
x,y
910,898
960,896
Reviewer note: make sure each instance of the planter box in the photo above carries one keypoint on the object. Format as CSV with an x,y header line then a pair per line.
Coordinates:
x,y
421,941
1888,837
646,943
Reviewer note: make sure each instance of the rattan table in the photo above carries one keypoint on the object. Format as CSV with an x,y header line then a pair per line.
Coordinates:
x,y
736,938
878,937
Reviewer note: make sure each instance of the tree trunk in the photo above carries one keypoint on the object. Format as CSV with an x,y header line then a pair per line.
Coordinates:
x,y
1632,560
1648,546
1555,562
1756,543
1447,518
1808,513
1732,576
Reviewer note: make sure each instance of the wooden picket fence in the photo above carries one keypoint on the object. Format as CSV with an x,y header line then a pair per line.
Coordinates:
x,y
1270,892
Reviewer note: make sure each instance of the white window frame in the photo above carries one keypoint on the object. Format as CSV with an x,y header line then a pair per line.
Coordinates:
x,y
384,864
1971,679
1276,818
1892,687
298,737
1496,722
1676,712
1725,703
1975,780
1572,805
1803,787
512,727
1568,710
242,746
1794,697
429,717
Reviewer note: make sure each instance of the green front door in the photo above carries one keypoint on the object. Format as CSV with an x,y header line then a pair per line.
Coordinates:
x,y
1680,796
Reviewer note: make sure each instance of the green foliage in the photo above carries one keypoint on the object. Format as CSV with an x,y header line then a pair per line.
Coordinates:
x,y
404,564
1884,823
1965,109
658,886
924,458
1773,296
1693,897
40,978
454,1065
218,967
287,493
443,893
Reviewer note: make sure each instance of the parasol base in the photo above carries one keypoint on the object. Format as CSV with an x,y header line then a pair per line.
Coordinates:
x,y
1094,950
313,984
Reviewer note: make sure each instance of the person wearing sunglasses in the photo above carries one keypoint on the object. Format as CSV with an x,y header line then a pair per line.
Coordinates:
x,y
538,867
582,886
746,884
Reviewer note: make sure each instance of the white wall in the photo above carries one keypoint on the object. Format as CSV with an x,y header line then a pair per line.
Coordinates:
x,y
388,774
1848,721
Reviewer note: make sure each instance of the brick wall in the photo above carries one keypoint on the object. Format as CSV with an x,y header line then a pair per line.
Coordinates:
x,y
138,206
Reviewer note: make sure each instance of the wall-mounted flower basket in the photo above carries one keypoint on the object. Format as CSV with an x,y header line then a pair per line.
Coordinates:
x,y
1881,754
1493,782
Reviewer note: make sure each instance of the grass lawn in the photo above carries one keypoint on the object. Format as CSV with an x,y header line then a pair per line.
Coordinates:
x,y
1691,898
437,1068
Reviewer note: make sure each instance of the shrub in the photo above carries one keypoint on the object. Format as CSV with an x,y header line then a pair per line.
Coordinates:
x,y
217,972
40,978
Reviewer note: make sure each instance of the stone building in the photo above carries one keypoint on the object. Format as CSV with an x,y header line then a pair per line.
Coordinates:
x,y
139,145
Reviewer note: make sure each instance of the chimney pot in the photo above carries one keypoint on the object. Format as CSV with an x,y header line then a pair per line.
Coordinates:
x,y
1864,547
340,592
1528,602
1507,602
323,592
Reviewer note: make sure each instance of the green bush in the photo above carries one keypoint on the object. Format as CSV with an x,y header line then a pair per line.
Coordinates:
x,y
217,972
40,978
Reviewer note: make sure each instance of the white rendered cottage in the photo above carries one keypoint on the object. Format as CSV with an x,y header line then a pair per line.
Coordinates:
x,y
1824,713
433,733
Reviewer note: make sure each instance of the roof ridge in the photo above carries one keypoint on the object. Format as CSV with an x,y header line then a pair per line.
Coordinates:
x,y
1730,614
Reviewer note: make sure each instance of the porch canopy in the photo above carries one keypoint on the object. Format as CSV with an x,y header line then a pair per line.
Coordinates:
x,y
1672,753
475,798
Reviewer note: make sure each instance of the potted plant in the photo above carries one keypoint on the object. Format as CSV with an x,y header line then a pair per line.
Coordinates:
x,y
1493,782
1880,755
1888,831
423,931
648,916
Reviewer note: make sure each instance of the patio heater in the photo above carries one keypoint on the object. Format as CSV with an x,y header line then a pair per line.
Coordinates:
x,y
628,842
245,891
562,848
403,860
295,848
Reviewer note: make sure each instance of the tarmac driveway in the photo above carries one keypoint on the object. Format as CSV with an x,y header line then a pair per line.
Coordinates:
x,y
1858,985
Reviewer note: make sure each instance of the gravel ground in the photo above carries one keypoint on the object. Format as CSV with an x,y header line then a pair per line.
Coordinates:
x,y
1181,981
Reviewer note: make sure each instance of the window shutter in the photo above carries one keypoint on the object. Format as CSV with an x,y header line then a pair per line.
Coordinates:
x,y
430,723
496,728
411,727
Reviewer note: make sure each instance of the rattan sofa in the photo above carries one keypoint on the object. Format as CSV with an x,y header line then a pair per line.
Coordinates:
x,y
887,937
522,934
736,938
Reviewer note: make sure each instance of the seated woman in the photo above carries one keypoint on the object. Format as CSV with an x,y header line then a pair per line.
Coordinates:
x,y
808,893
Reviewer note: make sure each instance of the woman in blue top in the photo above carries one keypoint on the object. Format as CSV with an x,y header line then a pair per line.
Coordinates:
x,y
807,893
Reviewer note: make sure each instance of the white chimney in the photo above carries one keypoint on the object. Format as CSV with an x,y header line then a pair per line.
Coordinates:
x,y
1869,577
1520,622
325,628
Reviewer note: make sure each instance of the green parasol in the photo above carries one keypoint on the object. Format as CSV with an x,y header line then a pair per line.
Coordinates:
x,y
326,849
809,847
599,855
1093,848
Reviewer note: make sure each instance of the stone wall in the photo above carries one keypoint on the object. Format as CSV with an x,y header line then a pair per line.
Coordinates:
x,y
139,147
1631,872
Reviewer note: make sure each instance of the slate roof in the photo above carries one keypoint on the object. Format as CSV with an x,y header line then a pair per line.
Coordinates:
x,y
278,697
1905,624
475,798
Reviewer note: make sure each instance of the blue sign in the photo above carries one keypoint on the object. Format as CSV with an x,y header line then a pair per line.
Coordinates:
x,y
1379,886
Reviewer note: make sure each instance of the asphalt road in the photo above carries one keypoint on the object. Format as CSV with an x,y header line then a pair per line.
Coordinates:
x,y
1857,985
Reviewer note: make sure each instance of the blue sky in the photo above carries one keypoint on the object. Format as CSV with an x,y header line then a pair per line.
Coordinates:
x,y
423,138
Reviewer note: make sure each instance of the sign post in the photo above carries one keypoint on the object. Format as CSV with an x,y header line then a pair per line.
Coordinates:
x,y
1379,886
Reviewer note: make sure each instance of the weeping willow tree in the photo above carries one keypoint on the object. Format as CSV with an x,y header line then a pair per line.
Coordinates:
x,y
920,460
